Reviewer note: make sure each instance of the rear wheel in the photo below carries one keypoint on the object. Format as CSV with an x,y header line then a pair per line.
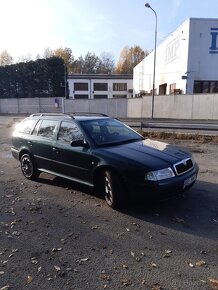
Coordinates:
x,y
113,189
28,167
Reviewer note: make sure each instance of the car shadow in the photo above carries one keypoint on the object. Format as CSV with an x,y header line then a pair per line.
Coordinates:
x,y
57,181
194,212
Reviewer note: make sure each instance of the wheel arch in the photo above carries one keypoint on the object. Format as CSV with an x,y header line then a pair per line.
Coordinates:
x,y
99,172
24,151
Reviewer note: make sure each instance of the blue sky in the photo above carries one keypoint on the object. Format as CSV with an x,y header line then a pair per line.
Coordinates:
x,y
27,27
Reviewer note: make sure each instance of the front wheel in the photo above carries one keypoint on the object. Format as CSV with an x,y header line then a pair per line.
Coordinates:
x,y
28,167
113,189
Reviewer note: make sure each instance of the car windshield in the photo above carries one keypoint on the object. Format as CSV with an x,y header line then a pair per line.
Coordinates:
x,y
109,132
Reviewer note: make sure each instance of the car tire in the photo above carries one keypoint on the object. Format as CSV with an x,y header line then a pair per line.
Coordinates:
x,y
113,190
28,167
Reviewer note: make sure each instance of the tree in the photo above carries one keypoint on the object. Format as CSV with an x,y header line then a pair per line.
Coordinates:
x,y
5,58
48,53
78,65
129,58
25,58
91,63
88,65
106,65
66,55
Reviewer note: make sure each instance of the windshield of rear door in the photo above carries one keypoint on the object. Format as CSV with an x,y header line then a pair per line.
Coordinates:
x,y
108,131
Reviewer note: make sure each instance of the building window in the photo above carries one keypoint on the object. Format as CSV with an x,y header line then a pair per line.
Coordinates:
x,y
77,96
163,89
100,96
100,86
213,86
172,88
205,87
119,86
80,86
120,96
197,87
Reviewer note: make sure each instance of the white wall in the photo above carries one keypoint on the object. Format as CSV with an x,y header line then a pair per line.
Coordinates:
x,y
190,51
110,107
197,106
30,105
202,62
194,107
171,63
90,92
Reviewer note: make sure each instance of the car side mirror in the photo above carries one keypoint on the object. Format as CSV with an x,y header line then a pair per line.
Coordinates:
x,y
78,143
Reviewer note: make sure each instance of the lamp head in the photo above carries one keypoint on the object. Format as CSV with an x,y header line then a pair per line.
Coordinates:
x,y
147,5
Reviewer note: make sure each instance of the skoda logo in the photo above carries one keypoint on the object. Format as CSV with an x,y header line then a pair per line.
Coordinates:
x,y
184,162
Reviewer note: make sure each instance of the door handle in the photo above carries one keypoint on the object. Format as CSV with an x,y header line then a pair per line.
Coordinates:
x,y
30,143
55,150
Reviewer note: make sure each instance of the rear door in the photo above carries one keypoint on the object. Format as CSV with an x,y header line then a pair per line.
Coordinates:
x,y
43,138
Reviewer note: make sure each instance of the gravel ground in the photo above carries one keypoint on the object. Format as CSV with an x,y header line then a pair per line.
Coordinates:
x,y
55,234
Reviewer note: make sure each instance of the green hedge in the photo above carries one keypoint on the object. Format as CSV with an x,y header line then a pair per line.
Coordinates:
x,y
40,78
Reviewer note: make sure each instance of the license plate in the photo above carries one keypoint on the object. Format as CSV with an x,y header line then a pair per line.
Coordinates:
x,y
189,181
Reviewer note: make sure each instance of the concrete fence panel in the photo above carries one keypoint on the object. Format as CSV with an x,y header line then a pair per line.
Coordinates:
x,y
146,107
9,106
173,106
99,106
71,106
50,105
117,108
28,105
111,107
168,106
205,106
134,108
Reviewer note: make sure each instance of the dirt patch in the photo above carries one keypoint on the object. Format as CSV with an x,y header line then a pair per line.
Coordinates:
x,y
181,136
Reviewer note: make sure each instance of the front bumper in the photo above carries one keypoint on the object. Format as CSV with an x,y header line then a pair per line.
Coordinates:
x,y
163,188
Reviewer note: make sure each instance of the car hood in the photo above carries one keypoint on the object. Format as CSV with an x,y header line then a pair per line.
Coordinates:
x,y
149,153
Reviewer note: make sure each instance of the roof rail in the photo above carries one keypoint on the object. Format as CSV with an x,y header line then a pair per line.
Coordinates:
x,y
71,115
50,114
88,114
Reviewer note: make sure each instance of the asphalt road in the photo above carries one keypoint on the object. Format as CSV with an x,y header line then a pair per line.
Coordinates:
x,y
55,234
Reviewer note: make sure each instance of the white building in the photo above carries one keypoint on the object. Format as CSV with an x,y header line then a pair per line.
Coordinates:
x,y
186,61
100,86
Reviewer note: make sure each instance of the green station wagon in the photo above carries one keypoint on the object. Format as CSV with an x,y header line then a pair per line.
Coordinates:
x,y
104,153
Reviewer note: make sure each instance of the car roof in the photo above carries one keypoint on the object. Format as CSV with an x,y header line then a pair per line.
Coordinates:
x,y
76,116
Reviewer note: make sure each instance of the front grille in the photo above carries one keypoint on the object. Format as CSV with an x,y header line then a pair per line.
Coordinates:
x,y
183,166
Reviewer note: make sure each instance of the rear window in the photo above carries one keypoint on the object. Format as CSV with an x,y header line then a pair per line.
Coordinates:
x,y
25,126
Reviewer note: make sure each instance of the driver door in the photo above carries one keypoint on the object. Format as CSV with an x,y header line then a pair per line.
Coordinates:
x,y
72,161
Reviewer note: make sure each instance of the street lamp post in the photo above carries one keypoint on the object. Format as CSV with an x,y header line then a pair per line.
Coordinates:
x,y
147,5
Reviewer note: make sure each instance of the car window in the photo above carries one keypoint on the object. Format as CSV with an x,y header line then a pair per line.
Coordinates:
x,y
109,131
69,132
47,128
36,127
25,126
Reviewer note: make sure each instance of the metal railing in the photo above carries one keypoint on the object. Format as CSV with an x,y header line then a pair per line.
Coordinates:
x,y
179,125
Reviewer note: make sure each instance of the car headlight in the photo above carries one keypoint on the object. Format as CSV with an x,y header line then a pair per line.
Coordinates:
x,y
159,174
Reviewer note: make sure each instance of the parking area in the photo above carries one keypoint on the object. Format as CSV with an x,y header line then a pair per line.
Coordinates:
x,y
55,234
